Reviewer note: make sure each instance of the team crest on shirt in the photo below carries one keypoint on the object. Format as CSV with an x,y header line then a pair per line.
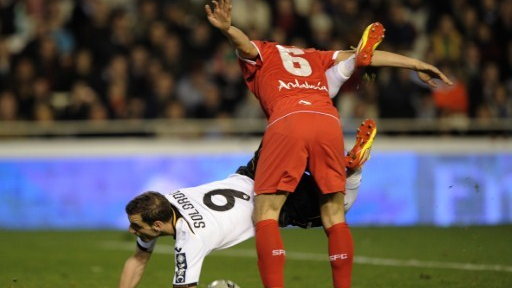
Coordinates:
x,y
303,85
181,267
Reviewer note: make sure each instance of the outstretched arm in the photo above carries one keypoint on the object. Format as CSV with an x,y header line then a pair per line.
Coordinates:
x,y
134,269
426,72
220,18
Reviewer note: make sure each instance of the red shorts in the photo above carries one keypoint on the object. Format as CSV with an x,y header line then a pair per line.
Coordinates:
x,y
296,142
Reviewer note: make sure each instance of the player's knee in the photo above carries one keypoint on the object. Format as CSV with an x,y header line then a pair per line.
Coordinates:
x,y
330,220
264,212
332,210
268,206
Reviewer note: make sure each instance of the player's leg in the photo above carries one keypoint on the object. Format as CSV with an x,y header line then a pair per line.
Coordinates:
x,y
372,36
354,177
269,244
355,159
341,247
268,205
338,74
330,206
280,166
326,164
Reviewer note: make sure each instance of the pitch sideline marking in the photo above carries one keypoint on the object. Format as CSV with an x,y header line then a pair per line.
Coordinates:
x,y
290,255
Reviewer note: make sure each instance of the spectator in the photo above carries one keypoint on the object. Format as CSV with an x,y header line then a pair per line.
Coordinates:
x,y
97,112
173,56
138,70
489,47
211,106
162,92
148,12
191,88
400,33
253,14
81,99
469,22
174,110
43,113
158,59
8,106
397,95
24,75
320,25
286,18
228,78
446,40
501,106
451,100
5,64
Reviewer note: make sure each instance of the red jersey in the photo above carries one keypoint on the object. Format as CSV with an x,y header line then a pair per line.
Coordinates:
x,y
287,79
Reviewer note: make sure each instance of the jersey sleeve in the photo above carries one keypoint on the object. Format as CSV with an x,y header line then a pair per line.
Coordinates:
x,y
189,254
327,58
146,246
249,67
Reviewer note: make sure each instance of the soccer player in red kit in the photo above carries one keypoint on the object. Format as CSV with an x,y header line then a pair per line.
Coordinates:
x,y
303,131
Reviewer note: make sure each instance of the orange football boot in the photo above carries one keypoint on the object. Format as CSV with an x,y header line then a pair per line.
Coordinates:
x,y
372,36
360,153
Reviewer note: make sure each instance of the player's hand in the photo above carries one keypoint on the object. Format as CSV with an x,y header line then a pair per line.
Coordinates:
x,y
428,73
220,16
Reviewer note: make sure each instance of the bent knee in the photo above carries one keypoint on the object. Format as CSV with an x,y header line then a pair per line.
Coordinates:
x,y
268,206
332,210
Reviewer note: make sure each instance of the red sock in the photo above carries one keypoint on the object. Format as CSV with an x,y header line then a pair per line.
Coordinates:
x,y
271,254
341,254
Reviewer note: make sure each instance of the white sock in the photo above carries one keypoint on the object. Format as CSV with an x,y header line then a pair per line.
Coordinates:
x,y
347,67
338,74
352,188
354,180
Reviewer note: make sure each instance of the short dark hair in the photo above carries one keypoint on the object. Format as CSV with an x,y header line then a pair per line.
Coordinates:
x,y
152,206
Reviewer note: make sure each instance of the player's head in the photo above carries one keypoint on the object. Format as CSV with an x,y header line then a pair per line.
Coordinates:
x,y
148,214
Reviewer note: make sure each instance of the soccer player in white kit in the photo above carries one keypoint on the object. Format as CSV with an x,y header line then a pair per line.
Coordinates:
x,y
211,217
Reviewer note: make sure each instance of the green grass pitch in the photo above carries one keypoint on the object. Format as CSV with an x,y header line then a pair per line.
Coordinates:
x,y
385,257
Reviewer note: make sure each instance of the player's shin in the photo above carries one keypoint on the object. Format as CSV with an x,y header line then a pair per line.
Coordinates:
x,y
271,254
341,254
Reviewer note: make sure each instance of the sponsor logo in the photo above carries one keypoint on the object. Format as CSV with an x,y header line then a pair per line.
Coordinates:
x,y
304,102
278,252
181,268
304,85
338,257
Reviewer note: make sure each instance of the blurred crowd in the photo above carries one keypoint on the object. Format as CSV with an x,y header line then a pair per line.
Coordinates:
x,y
147,59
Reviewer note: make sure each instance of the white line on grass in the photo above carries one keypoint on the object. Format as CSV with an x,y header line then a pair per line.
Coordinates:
x,y
290,255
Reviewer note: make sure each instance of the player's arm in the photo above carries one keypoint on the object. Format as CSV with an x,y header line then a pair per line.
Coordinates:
x,y
343,55
220,18
134,269
426,72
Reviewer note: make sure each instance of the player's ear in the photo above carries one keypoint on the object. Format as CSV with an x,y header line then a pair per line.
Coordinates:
x,y
157,226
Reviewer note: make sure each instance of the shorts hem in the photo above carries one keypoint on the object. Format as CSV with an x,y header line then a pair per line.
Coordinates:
x,y
334,191
274,190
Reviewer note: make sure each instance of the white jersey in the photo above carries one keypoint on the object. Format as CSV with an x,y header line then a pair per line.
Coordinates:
x,y
215,215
